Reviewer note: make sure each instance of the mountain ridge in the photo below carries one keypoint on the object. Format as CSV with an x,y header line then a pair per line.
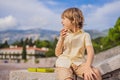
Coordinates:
x,y
42,34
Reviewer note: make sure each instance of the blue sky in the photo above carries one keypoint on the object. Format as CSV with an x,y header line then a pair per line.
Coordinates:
x,y
46,14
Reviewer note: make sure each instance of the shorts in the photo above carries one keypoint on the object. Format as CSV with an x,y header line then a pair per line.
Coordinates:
x,y
64,73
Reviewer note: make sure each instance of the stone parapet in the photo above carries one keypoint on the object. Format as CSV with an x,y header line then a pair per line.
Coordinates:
x,y
109,64
25,75
106,54
105,67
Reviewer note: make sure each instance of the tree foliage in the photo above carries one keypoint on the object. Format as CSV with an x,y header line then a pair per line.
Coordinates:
x,y
109,41
4,45
24,52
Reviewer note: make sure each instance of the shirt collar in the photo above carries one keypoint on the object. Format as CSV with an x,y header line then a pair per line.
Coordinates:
x,y
79,31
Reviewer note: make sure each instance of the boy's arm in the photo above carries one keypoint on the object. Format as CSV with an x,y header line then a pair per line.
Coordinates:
x,y
59,47
88,72
90,50
90,55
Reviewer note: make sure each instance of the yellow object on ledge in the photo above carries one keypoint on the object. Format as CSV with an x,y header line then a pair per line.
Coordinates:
x,y
32,69
40,69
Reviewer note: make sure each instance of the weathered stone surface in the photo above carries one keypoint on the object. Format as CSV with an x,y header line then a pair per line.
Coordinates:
x,y
25,75
106,54
114,75
3,75
109,64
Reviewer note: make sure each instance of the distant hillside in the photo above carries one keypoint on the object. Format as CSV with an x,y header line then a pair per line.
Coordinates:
x,y
13,35
42,34
95,33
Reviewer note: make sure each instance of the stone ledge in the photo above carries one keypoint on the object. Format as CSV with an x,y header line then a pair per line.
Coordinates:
x,y
109,64
106,66
25,75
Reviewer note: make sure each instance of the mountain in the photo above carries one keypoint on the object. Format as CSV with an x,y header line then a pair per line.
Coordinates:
x,y
42,34
13,35
95,33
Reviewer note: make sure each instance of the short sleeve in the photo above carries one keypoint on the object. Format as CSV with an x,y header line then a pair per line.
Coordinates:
x,y
88,40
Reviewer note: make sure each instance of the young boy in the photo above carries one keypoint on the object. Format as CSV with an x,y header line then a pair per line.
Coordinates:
x,y
71,47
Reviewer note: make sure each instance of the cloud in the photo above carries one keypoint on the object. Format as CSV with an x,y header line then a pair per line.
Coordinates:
x,y
30,13
101,17
7,22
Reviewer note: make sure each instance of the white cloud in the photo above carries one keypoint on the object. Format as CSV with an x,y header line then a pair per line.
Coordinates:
x,y
35,14
7,22
31,13
102,17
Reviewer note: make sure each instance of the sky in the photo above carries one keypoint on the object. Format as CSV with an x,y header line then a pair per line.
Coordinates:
x,y
46,14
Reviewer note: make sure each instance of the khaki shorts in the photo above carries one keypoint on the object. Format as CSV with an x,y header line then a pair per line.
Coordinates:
x,y
64,73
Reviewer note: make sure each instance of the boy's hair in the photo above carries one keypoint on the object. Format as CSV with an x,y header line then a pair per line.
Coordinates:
x,y
75,16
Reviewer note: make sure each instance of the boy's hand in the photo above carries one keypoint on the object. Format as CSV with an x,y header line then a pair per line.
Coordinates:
x,y
89,74
63,33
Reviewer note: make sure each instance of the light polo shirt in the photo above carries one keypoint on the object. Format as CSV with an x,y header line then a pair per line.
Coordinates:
x,y
74,49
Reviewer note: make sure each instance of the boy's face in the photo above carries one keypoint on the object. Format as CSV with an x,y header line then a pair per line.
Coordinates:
x,y
66,23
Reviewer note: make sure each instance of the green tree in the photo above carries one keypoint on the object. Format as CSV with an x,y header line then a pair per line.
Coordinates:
x,y
109,41
24,53
0,45
97,44
5,44
27,41
21,42
17,43
44,43
114,33
30,43
51,51
38,43
113,37
55,42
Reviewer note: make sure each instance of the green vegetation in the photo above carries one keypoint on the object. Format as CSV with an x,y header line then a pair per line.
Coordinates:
x,y
111,40
38,43
24,52
4,45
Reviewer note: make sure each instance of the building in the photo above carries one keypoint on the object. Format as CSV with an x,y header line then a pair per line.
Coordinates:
x,y
15,53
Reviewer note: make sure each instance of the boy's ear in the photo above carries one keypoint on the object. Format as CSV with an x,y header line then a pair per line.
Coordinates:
x,y
73,21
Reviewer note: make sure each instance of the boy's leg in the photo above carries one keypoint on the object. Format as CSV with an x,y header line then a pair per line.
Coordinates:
x,y
64,73
78,70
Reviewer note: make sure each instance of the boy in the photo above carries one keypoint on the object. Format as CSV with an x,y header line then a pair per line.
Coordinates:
x,y
71,47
